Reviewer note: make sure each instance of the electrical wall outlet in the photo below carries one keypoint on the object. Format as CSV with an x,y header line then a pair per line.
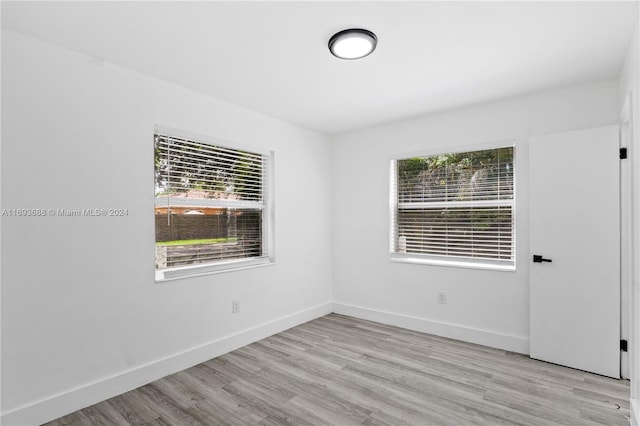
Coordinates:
x,y
235,306
442,297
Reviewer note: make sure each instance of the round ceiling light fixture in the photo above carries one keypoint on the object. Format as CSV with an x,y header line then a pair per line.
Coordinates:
x,y
354,43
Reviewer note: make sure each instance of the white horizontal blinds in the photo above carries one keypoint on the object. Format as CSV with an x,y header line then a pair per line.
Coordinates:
x,y
197,170
243,239
456,205
210,202
465,176
482,232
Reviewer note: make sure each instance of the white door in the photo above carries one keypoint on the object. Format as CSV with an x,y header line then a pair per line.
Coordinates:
x,y
575,223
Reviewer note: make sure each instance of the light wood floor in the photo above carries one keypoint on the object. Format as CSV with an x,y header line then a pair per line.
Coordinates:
x,y
338,370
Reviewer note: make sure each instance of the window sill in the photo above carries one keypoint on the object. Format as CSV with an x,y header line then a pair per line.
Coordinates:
x,y
452,263
172,274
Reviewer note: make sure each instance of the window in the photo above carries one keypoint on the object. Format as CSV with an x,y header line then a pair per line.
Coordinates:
x,y
454,209
212,207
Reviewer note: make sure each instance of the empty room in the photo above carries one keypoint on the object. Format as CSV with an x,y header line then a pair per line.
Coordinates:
x,y
320,213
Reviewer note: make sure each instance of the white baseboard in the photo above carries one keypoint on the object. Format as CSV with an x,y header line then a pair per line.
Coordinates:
x,y
635,412
490,338
66,402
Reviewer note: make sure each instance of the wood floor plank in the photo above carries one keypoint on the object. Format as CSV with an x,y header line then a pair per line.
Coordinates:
x,y
133,408
339,370
168,408
103,414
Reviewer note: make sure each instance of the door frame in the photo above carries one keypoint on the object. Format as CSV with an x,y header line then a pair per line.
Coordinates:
x,y
626,261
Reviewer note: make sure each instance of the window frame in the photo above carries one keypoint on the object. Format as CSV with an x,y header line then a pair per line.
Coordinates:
x,y
268,217
450,260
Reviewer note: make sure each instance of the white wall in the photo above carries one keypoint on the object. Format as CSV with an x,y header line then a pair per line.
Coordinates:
x,y
488,307
630,85
82,318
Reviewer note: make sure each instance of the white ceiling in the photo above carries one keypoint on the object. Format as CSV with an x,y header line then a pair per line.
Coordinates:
x,y
272,57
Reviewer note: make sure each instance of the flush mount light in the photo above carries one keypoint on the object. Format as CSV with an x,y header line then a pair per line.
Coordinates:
x,y
354,43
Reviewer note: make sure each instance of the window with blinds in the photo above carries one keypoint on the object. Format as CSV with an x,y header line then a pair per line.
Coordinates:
x,y
455,208
211,207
